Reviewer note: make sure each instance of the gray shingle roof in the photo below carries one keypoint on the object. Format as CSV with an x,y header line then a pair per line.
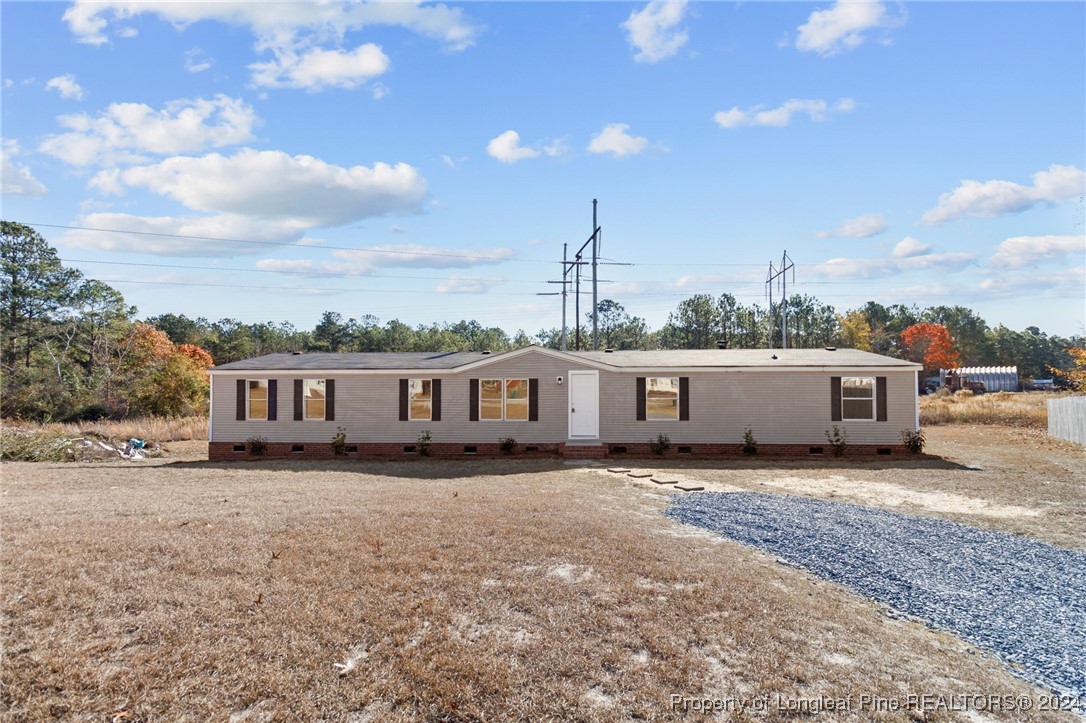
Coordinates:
x,y
743,358
661,359
357,360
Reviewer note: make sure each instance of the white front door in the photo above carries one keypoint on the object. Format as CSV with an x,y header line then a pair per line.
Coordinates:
x,y
584,405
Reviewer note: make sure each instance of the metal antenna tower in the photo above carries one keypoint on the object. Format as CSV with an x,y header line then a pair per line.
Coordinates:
x,y
780,274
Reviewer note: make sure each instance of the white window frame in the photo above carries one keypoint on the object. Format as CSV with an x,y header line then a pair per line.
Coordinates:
x,y
871,399
249,399
430,401
505,399
678,394
306,399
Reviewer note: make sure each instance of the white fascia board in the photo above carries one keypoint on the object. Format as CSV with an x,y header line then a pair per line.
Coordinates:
x,y
656,370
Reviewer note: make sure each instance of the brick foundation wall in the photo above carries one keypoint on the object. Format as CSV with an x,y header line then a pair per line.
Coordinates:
x,y
226,452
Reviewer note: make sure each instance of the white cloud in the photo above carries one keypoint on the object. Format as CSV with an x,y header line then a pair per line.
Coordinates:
x,y
1069,283
66,86
457,284
1028,250
654,32
614,139
557,148
364,262
919,260
843,27
316,69
507,149
203,235
196,61
866,226
17,180
129,132
304,38
273,185
817,109
909,247
379,91
995,198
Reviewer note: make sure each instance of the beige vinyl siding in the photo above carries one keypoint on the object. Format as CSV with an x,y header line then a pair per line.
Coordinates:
x,y
781,407
368,407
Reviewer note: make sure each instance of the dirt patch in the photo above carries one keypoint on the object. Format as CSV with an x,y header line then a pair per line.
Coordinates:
x,y
1001,478
441,591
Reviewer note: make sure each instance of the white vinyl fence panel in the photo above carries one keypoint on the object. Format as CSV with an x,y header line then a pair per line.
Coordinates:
x,y
1067,419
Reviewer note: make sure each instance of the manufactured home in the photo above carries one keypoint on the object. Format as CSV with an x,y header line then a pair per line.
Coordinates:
x,y
572,404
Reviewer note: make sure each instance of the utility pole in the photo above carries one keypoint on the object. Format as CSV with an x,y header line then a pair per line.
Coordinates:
x,y
595,281
565,287
781,274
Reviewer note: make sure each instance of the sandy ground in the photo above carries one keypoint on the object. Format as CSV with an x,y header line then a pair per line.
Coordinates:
x,y
477,590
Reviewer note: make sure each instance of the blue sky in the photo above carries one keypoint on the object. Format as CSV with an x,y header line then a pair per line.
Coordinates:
x,y
426,162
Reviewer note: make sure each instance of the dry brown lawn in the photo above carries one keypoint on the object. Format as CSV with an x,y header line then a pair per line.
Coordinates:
x,y
477,590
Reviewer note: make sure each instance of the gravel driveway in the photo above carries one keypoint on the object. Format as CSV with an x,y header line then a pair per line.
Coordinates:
x,y
1021,599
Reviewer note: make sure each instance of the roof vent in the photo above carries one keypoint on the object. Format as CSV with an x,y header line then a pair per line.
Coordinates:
x,y
608,351
486,351
296,353
831,348
721,344
773,357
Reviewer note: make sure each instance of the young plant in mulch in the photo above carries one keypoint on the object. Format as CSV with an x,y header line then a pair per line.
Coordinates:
x,y
339,442
257,446
838,439
661,444
507,445
913,441
422,444
750,445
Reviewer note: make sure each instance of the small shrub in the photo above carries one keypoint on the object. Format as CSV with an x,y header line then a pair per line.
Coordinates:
x,y
339,441
750,445
422,444
838,439
660,445
913,441
257,446
507,445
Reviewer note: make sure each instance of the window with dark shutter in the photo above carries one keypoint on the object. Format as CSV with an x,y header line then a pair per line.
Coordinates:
x,y
273,399
835,399
435,401
641,399
241,400
473,400
404,386
881,407
330,400
299,400
684,399
533,400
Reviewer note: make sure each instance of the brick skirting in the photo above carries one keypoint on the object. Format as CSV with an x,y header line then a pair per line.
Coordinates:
x,y
237,451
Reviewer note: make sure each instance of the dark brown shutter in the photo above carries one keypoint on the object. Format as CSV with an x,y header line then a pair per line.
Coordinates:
x,y
473,400
684,398
298,401
329,400
641,399
273,399
835,399
435,400
880,399
241,400
404,385
533,400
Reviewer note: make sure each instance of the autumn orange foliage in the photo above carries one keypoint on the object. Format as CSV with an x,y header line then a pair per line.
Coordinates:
x,y
930,345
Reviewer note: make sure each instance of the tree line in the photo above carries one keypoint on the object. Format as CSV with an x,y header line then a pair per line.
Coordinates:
x,y
73,349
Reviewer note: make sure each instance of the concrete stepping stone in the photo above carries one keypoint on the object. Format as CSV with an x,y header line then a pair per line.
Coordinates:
x,y
665,481
621,470
689,487
640,475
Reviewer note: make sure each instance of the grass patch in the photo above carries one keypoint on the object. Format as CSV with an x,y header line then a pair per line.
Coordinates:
x,y
278,591
58,442
1007,409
